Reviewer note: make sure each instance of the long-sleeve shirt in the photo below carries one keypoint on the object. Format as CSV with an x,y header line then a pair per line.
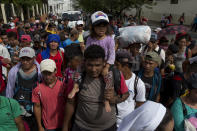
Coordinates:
x,y
12,78
108,45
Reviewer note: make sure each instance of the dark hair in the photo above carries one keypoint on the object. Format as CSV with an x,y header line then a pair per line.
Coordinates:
x,y
93,33
3,32
166,119
71,51
94,52
120,55
62,36
179,37
12,34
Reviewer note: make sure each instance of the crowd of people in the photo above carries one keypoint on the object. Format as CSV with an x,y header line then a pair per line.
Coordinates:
x,y
58,78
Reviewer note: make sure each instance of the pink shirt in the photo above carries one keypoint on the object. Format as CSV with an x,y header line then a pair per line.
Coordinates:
x,y
53,104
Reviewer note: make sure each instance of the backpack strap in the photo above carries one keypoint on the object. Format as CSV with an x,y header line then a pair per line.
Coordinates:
x,y
135,86
184,108
159,51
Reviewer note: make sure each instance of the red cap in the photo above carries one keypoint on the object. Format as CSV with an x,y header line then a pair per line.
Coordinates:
x,y
25,38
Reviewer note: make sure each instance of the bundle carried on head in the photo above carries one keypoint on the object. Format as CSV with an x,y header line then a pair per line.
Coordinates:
x,y
134,34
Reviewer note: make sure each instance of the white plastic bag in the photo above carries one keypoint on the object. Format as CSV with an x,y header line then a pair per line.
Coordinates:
x,y
134,34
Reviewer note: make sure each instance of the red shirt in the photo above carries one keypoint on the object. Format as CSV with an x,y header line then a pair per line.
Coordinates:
x,y
53,104
58,60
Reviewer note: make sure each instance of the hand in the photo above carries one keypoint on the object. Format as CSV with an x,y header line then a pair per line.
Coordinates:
x,y
41,129
5,61
110,96
105,71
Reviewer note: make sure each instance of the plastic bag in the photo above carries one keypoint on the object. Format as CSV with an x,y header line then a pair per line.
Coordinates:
x,y
134,34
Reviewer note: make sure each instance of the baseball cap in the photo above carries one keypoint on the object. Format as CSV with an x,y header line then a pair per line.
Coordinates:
x,y
27,51
153,37
124,56
153,56
99,17
25,38
157,30
27,25
47,65
79,22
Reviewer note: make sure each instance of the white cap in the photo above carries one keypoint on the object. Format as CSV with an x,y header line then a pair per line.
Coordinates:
x,y
79,22
47,65
27,51
157,30
99,17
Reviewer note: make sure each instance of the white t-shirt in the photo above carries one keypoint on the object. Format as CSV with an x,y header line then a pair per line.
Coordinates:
x,y
128,105
162,53
5,54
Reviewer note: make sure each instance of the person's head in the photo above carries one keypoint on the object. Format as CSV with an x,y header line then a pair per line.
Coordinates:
x,y
52,27
153,41
4,37
73,56
27,56
151,61
12,37
48,70
135,49
74,34
163,43
53,41
27,27
66,20
181,40
37,40
100,25
94,60
124,61
25,41
79,25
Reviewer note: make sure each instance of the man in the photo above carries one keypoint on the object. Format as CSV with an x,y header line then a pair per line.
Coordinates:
x,y
13,47
135,85
4,37
48,98
53,52
151,76
74,35
89,103
66,28
10,112
153,46
79,27
194,25
22,79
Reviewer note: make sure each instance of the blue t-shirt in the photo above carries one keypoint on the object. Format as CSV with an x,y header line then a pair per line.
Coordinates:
x,y
68,42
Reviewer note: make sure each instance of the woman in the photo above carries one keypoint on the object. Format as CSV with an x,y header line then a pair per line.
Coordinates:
x,y
150,116
183,52
189,102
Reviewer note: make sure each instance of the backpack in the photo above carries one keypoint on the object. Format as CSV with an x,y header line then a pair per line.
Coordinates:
x,y
190,120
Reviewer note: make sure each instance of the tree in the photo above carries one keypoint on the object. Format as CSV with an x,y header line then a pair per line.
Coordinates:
x,y
114,7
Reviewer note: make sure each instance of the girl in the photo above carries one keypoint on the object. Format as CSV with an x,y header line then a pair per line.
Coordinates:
x,y
101,35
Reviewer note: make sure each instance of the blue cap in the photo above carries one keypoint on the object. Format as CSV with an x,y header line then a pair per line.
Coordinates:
x,y
153,37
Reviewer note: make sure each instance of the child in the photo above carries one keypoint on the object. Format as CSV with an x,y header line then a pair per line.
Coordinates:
x,y
101,35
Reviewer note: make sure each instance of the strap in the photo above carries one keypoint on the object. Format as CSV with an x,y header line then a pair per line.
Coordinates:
x,y
159,51
135,86
184,108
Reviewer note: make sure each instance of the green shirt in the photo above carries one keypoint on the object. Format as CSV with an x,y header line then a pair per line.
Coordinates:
x,y
177,112
8,112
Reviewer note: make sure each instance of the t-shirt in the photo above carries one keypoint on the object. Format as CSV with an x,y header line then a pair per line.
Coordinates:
x,y
80,38
108,44
69,42
126,107
58,60
177,113
8,112
148,81
52,102
90,112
